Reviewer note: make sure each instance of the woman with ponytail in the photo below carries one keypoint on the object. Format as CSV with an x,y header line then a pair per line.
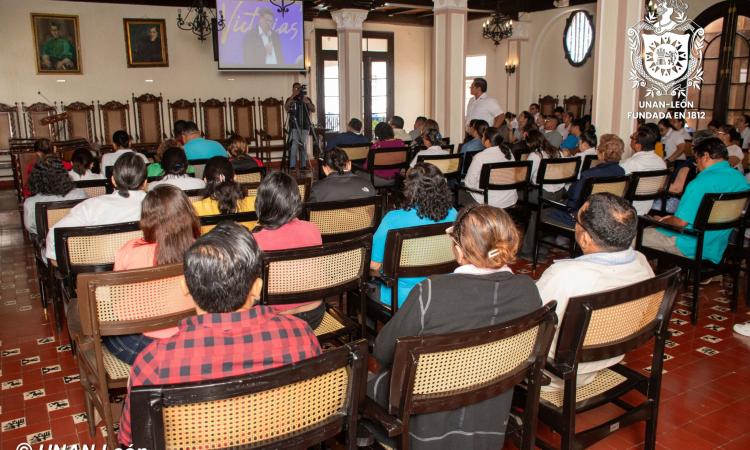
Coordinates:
x,y
495,151
223,194
175,166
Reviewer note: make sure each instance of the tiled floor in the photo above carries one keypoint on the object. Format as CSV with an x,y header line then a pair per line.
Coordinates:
x,y
705,394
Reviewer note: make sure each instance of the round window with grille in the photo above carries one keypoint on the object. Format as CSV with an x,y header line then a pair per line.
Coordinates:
x,y
578,38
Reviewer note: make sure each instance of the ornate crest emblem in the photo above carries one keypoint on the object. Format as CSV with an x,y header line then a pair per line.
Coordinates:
x,y
666,51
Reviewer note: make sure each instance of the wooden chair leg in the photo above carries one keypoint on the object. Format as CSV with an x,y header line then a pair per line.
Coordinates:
x,y
696,294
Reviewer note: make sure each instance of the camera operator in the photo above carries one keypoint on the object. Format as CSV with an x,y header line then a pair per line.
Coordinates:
x,y
298,107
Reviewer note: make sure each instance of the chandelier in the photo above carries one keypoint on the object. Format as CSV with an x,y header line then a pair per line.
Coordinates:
x,y
283,5
497,27
199,19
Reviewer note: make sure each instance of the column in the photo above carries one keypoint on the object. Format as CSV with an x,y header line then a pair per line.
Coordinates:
x,y
520,33
614,95
449,60
349,28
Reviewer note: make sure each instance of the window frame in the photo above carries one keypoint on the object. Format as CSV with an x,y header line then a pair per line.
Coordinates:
x,y
590,18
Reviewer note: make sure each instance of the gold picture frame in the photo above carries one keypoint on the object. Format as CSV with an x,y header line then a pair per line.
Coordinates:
x,y
146,42
57,44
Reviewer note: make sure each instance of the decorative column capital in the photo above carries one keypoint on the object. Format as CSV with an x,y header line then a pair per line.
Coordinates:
x,y
450,6
520,31
349,19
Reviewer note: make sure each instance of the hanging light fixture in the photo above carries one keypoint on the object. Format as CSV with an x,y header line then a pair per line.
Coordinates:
x,y
498,27
283,5
200,20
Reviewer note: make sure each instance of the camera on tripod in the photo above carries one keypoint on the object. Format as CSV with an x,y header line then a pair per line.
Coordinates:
x,y
302,92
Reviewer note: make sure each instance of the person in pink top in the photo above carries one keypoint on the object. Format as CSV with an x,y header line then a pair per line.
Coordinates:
x,y
385,139
170,226
278,204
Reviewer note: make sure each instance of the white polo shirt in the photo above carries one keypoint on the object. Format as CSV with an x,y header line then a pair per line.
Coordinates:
x,y
671,140
643,161
484,107
745,134
434,150
184,182
499,199
29,206
109,159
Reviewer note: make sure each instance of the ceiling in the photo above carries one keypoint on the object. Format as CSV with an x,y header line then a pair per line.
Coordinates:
x,y
412,12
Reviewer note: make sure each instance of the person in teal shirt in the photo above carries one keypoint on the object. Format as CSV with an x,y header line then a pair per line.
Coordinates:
x,y
197,147
715,176
428,200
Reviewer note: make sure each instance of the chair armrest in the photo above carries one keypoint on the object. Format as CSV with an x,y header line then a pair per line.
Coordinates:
x,y
643,221
373,411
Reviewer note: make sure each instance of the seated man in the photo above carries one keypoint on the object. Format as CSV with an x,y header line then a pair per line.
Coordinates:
x,y
550,131
397,123
353,135
230,334
418,127
715,176
644,159
605,228
340,183
198,147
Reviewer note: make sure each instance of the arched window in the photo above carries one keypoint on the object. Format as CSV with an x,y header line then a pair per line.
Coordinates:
x,y
578,40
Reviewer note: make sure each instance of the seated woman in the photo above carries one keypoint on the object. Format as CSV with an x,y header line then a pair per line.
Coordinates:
x,y
155,169
340,183
175,164
83,161
170,227
482,291
476,130
278,204
431,139
384,139
42,147
241,159
48,182
495,152
427,200
223,194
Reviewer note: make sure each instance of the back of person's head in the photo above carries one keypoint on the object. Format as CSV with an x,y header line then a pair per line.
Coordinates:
x,y
558,110
121,139
278,201
702,135
714,124
164,145
578,123
355,124
611,150
174,161
589,137
420,120
221,267
746,118
666,123
178,127
486,236
480,126
481,83
653,127
168,219
397,122
609,220
336,159
713,147
535,141
49,177
237,146
190,127
734,136
220,184
426,190
43,146
495,138
383,131
81,160
431,123
431,136
606,138
646,138
129,173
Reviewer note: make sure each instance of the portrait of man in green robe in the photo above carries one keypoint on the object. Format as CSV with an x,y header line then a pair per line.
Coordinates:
x,y
56,46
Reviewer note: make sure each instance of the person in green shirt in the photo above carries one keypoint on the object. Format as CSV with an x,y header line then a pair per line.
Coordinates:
x,y
58,52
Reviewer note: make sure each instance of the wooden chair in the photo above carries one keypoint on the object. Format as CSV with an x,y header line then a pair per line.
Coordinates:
x,y
272,127
648,185
412,252
247,219
505,176
384,159
600,326
213,115
199,165
252,175
149,118
94,188
448,371
594,185
115,304
81,121
113,116
317,273
303,185
34,114
181,110
195,194
588,162
547,104
345,219
244,120
8,125
450,165
575,104
295,406
716,212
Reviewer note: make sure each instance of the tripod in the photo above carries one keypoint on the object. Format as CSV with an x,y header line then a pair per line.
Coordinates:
x,y
299,136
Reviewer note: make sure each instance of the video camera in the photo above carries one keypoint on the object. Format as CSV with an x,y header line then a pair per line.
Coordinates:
x,y
302,92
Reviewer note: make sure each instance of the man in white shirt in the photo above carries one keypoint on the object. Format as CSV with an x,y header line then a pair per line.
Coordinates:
x,y
431,140
123,205
262,45
120,145
674,144
743,127
605,229
644,159
730,137
481,105
564,127
397,123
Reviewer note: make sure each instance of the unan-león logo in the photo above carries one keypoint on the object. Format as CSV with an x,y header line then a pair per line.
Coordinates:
x,y
666,51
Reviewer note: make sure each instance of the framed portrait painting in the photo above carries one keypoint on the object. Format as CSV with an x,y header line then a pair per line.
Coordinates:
x,y
57,43
146,42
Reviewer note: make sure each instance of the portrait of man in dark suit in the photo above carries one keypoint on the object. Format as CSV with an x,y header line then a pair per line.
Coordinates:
x,y
262,46
147,42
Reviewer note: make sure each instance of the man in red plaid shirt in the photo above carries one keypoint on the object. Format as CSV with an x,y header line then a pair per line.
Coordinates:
x,y
231,335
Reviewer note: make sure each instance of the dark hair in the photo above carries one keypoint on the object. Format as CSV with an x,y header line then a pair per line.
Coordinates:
x,y
431,123
121,138
221,267
646,138
397,121
666,123
578,123
383,131
129,173
729,130
432,135
589,137
336,159
481,83
278,201
654,129
496,138
702,135
82,160
190,127
355,124
174,161
558,109
49,177
609,220
537,143
552,117
178,127
716,123
295,84
534,105
169,220
713,146
746,118
220,184
422,118
480,126
426,190
43,146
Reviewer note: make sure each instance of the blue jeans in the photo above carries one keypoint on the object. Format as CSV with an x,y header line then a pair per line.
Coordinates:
x,y
126,347
297,137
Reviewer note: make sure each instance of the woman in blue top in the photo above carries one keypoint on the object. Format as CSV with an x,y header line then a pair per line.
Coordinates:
x,y
427,200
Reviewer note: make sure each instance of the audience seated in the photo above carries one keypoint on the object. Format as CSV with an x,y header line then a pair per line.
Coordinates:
x,y
384,138
587,143
483,291
231,334
42,148
715,176
352,135
731,138
431,139
678,123
523,119
506,125
339,182
605,229
240,158
566,121
48,182
431,124
554,138
155,169
83,161
427,200
536,113
278,204
123,205
674,144
572,136
476,130
397,123
644,159
121,145
495,151
742,123
418,127
198,147
223,194
170,227
175,164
